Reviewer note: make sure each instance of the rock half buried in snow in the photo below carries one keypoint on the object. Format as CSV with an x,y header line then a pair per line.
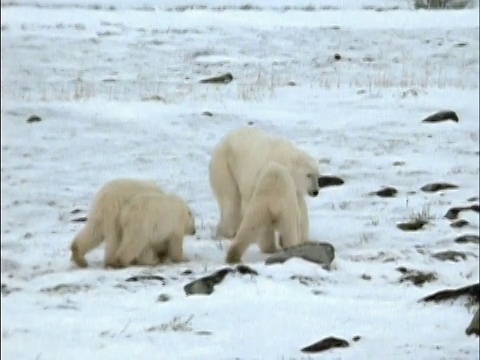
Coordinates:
x,y
474,327
222,79
441,116
471,291
146,277
457,224
413,225
453,212
464,239
206,285
386,192
318,252
417,278
326,344
434,187
450,255
328,180
33,119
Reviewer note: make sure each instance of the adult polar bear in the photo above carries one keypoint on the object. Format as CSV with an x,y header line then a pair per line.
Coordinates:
x,y
236,164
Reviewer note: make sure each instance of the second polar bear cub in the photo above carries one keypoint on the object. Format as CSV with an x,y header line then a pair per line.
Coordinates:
x,y
110,205
273,206
102,221
153,222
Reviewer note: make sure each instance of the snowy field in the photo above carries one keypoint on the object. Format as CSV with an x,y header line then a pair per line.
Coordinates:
x,y
116,85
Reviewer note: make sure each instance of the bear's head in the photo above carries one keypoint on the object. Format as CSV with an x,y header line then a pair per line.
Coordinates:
x,y
305,174
190,224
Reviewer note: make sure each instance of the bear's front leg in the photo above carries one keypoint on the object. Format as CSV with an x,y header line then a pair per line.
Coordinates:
x,y
266,241
175,249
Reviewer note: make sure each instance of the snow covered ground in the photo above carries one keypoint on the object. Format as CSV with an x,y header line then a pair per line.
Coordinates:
x,y
116,86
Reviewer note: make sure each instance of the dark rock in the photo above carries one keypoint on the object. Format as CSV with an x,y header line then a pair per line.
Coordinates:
x,y
146,277
33,119
327,180
459,223
356,338
7,290
291,83
386,192
434,187
464,239
366,277
471,291
245,270
204,333
473,198
154,98
337,57
250,123
80,219
453,212
222,79
207,113
450,255
413,225
318,252
75,211
163,298
205,285
326,344
187,272
417,278
474,327
441,116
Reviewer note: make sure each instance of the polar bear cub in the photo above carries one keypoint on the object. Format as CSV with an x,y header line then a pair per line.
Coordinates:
x,y
236,164
273,206
102,221
153,221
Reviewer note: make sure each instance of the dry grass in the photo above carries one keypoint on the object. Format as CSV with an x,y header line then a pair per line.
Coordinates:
x,y
423,216
443,4
176,324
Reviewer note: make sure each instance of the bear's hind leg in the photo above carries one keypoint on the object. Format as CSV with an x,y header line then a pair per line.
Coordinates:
x,y
287,226
148,257
112,242
175,249
303,222
226,192
252,225
86,240
131,247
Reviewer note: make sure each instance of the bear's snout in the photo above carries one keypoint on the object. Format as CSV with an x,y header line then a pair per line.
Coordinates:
x,y
314,193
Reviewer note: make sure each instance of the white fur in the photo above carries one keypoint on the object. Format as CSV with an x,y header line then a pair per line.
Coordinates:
x,y
273,206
